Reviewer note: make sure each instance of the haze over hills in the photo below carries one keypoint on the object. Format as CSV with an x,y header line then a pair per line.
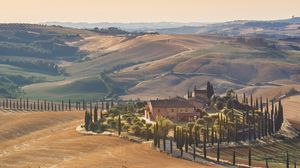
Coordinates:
x,y
113,62
126,26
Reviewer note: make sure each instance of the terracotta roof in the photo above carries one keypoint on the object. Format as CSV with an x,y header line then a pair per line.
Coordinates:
x,y
201,91
171,103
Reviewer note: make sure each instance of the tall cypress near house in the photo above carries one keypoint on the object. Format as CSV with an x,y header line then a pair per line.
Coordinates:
x,y
244,98
38,104
186,142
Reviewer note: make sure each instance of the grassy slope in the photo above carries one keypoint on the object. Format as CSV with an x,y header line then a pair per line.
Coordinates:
x,y
175,63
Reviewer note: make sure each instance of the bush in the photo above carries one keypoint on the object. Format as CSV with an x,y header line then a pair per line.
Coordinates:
x,y
136,129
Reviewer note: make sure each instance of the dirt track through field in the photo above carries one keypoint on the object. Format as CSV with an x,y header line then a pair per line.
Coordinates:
x,y
49,139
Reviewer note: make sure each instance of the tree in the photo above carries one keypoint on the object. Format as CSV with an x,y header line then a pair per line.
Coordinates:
x,y
218,151
210,90
233,157
119,125
287,160
95,114
70,106
204,144
249,157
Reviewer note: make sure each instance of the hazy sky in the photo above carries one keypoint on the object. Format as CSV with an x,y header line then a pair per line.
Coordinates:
x,y
34,11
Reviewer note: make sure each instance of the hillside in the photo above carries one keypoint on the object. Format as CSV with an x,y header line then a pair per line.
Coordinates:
x,y
55,143
271,29
141,66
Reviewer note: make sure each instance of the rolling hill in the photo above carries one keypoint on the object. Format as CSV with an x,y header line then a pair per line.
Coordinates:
x,y
143,65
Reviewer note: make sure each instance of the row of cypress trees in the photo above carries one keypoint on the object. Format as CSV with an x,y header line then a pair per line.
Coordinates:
x,y
44,105
26,104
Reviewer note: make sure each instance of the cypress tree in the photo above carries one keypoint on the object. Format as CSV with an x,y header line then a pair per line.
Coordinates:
x,y
95,114
244,98
69,104
251,100
233,157
120,125
171,146
261,105
62,105
218,151
27,103
186,142
212,135
194,151
276,119
236,130
256,103
38,104
204,144
280,115
272,117
243,128
164,143
266,124
249,157
287,160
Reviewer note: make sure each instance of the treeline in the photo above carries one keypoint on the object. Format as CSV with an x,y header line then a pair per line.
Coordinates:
x,y
39,41
46,105
35,65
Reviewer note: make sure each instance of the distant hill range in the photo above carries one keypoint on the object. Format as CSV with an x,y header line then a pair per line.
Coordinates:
x,y
273,28
126,26
270,28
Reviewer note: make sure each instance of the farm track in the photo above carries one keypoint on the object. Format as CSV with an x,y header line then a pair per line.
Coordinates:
x,y
49,139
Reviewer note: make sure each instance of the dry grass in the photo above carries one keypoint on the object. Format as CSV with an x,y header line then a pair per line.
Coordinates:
x,y
49,139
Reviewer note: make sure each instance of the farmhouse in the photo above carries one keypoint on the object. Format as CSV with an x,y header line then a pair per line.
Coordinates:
x,y
176,109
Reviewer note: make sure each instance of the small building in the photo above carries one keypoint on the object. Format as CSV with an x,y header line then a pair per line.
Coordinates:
x,y
176,109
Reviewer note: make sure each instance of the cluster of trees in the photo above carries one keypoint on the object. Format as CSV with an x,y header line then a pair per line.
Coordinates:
x,y
120,117
35,65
